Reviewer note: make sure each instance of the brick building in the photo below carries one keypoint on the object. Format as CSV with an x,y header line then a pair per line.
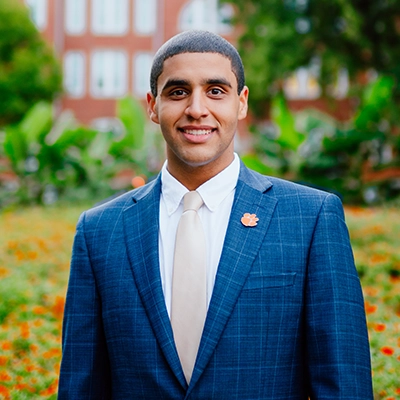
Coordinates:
x,y
107,46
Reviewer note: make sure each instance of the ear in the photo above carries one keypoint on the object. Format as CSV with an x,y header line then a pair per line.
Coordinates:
x,y
152,107
243,98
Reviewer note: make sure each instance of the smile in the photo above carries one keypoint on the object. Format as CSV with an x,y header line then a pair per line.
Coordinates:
x,y
197,132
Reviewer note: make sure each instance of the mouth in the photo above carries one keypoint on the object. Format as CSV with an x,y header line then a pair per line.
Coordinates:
x,y
197,132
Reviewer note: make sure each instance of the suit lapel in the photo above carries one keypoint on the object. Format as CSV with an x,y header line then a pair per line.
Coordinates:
x,y
241,246
141,226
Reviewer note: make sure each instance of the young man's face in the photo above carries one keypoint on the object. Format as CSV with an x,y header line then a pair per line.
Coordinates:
x,y
198,108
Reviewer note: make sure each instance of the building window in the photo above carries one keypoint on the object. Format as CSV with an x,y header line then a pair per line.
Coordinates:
x,y
38,11
74,73
145,16
108,73
206,14
110,17
75,16
226,13
141,73
302,85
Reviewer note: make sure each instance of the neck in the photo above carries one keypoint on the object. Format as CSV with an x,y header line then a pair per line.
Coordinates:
x,y
194,176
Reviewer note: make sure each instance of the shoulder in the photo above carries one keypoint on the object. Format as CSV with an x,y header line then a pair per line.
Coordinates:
x,y
290,194
112,208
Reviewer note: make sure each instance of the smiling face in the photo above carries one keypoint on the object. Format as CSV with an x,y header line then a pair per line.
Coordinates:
x,y
198,108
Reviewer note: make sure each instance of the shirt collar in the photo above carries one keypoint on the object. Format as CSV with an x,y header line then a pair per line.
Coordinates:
x,y
213,192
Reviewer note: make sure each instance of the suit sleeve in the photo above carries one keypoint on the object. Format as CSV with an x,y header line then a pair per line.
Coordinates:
x,y
337,340
85,370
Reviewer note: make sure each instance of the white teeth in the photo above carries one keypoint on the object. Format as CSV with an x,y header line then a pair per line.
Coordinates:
x,y
198,132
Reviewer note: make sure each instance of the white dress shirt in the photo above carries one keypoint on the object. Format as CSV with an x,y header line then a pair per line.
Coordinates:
x,y
217,194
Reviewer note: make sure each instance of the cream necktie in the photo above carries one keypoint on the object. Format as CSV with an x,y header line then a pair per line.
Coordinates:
x,y
189,304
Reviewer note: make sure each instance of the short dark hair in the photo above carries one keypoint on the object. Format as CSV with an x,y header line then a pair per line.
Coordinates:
x,y
196,41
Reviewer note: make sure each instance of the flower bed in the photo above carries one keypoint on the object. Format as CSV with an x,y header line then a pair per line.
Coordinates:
x,y
34,265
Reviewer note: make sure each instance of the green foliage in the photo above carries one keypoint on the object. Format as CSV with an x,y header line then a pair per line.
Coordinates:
x,y
53,158
28,70
282,35
334,155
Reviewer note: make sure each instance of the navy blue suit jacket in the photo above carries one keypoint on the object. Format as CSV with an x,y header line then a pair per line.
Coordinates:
x,y
286,319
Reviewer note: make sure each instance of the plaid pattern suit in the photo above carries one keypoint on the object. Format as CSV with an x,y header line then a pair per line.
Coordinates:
x,y
286,319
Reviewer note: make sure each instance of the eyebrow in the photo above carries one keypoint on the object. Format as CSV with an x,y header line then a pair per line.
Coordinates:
x,y
175,82
184,82
218,81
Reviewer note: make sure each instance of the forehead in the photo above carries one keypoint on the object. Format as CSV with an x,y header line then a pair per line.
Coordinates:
x,y
195,67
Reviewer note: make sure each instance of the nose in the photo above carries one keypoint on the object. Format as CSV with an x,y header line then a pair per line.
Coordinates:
x,y
197,107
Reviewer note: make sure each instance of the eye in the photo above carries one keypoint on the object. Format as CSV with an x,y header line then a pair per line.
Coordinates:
x,y
216,91
178,93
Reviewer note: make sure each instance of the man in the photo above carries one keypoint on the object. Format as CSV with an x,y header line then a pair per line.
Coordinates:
x,y
283,309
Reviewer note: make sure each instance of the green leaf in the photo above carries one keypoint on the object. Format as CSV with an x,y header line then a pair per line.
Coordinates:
x,y
283,118
36,122
377,97
253,162
132,116
100,146
15,146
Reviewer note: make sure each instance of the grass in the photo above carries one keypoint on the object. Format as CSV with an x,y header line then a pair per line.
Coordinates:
x,y
34,265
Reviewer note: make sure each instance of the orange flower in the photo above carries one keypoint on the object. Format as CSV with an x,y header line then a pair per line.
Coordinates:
x,y
249,219
371,291
51,389
4,391
39,310
379,327
378,258
12,244
20,255
5,377
38,323
3,360
55,352
24,327
34,348
29,368
387,351
370,308
58,307
6,346
32,255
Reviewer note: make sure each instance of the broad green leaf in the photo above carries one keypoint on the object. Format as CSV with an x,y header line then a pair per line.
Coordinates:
x,y
99,147
376,98
37,121
15,146
284,119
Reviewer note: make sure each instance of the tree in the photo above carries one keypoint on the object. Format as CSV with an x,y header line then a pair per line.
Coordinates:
x,y
281,35
360,159
29,71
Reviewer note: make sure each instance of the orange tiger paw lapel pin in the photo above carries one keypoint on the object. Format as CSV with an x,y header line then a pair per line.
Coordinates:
x,y
249,219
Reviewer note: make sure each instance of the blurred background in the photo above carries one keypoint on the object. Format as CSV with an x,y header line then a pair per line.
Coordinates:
x,y
324,111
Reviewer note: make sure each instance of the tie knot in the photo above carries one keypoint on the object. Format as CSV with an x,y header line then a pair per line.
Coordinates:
x,y
192,201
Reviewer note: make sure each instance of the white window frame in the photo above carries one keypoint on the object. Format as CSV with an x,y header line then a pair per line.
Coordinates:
x,y
145,17
75,73
110,17
141,73
302,85
38,12
75,13
110,66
